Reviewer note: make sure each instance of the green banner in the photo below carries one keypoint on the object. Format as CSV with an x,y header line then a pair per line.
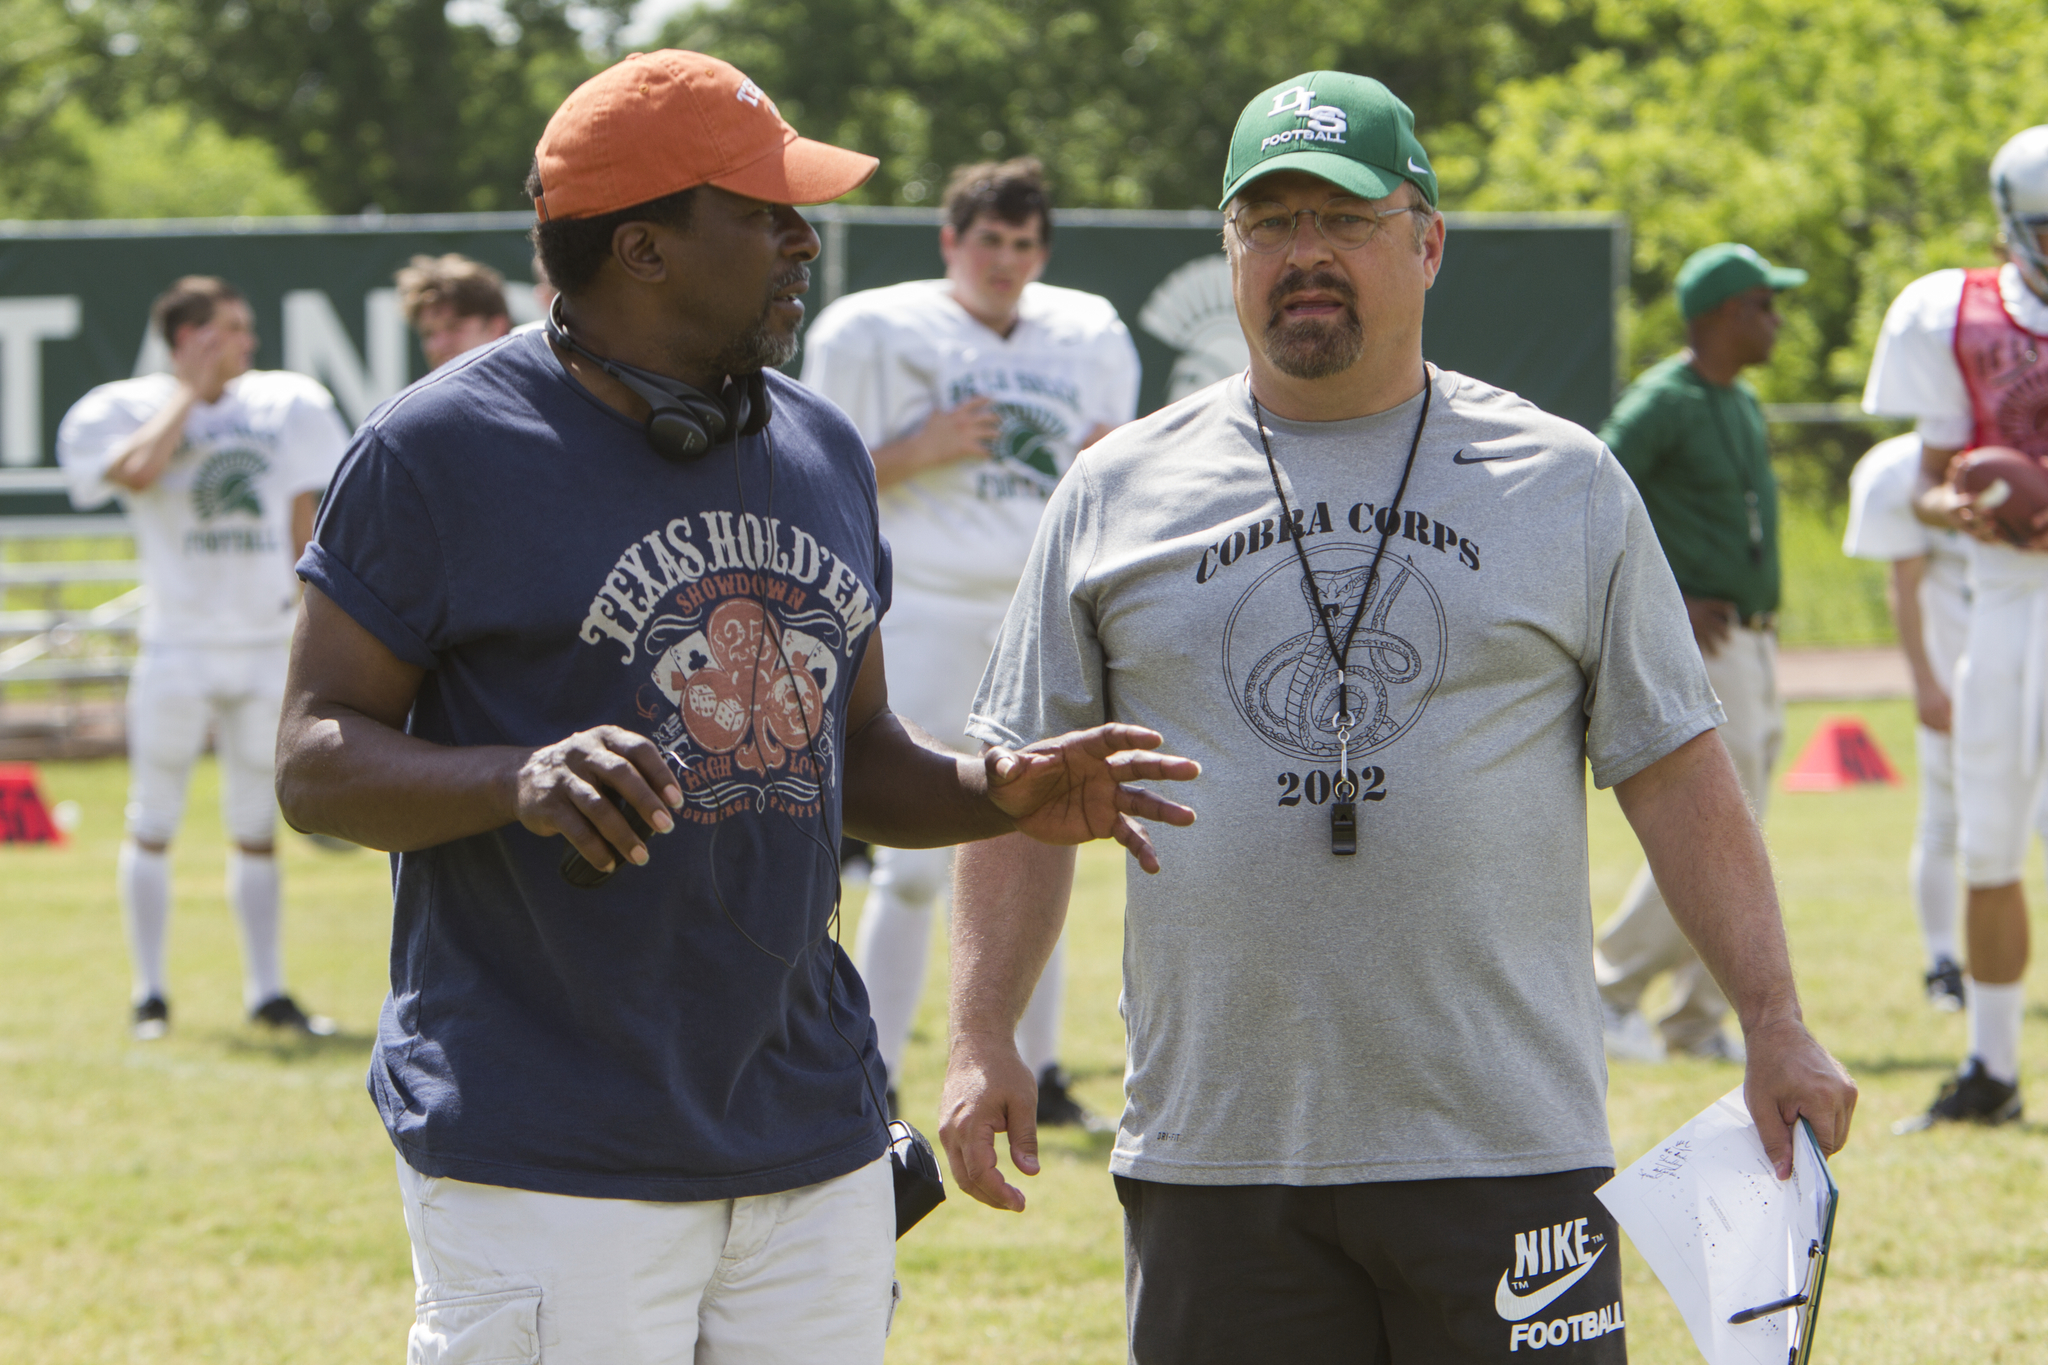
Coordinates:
x,y
1525,302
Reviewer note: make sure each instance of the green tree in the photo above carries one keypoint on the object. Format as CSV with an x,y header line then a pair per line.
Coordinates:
x,y
170,163
75,144
1129,102
48,62
383,102
1850,139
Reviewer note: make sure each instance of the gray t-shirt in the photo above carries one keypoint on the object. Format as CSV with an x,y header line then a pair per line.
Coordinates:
x,y
1425,1009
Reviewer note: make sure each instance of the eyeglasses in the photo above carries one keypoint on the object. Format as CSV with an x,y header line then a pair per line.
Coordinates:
x,y
1346,224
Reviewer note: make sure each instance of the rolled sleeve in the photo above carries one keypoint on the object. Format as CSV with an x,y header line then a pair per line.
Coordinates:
x,y
377,554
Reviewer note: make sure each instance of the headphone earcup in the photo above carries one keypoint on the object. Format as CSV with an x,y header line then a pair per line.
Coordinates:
x,y
676,435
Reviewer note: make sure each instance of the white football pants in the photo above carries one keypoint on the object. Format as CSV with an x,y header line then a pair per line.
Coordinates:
x,y
2000,714
175,693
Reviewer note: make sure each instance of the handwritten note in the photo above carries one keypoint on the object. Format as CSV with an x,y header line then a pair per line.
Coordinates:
x,y
1721,1231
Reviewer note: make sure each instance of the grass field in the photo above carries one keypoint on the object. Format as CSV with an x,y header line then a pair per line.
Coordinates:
x,y
224,1197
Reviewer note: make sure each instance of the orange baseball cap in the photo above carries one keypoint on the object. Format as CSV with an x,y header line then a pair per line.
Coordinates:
x,y
660,122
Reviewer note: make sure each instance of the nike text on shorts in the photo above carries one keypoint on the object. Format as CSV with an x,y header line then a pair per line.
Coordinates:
x,y
1412,1272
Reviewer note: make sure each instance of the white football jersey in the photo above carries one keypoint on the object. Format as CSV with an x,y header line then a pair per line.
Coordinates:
x,y
214,532
891,357
1914,371
1882,526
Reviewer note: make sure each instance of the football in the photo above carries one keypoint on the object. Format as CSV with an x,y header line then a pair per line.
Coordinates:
x,y
2009,487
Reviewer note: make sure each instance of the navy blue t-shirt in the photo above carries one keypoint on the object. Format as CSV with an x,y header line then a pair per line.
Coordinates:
x,y
689,1030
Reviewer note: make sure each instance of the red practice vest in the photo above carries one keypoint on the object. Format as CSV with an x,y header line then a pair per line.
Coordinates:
x,y
2005,367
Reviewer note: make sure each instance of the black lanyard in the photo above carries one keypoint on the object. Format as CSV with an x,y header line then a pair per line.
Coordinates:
x,y
1344,810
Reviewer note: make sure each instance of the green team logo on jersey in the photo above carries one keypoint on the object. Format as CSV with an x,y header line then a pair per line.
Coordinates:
x,y
1030,438
227,483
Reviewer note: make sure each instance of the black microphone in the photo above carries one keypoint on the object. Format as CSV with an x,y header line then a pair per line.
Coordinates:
x,y
580,872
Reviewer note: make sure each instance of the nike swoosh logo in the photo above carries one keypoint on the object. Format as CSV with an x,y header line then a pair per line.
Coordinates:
x,y
1514,1307
1460,457
1419,170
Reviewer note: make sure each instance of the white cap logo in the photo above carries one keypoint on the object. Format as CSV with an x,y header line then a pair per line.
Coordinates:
x,y
1292,103
750,93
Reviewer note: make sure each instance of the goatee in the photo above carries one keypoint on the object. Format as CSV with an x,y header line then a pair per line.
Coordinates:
x,y
761,347
1314,348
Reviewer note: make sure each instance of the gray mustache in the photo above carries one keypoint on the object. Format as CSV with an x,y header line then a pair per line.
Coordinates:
x,y
1328,281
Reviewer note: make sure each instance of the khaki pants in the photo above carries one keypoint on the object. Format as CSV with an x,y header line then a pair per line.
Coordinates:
x,y
1642,940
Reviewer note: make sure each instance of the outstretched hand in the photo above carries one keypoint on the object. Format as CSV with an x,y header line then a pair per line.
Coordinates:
x,y
1075,787
1791,1076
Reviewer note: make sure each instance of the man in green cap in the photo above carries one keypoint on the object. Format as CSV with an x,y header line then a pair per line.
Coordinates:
x,y
1394,611
1691,435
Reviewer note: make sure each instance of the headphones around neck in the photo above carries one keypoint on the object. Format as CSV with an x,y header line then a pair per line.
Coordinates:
x,y
685,421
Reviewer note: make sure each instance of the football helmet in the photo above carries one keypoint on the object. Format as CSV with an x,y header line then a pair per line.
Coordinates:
x,y
2019,191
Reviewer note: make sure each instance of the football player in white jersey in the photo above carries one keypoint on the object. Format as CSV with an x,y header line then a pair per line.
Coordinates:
x,y
1965,353
973,392
219,468
1930,600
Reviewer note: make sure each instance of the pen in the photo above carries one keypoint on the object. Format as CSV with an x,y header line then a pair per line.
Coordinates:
x,y
1764,1310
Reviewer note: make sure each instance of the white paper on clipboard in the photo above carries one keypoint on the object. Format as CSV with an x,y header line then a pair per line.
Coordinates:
x,y
1723,1233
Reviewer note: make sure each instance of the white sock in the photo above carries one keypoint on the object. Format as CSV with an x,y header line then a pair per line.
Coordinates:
x,y
891,949
144,880
1038,1032
252,891
1995,1013
1936,896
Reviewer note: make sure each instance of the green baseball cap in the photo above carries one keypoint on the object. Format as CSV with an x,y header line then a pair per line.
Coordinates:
x,y
1350,130
1714,274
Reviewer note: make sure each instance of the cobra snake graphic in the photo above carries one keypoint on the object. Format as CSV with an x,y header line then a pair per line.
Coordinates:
x,y
1306,720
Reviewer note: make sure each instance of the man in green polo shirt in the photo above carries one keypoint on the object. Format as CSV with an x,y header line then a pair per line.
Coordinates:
x,y
1691,435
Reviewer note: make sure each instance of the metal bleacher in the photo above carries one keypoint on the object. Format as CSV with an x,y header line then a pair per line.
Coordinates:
x,y
61,663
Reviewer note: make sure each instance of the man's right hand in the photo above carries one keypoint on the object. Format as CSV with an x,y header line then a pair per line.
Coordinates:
x,y
565,788
1947,506
962,433
1712,622
205,359
988,1090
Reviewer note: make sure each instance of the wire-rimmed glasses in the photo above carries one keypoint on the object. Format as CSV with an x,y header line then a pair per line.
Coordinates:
x,y
1346,223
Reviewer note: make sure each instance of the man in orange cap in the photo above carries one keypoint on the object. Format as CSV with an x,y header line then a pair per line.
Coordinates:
x,y
610,580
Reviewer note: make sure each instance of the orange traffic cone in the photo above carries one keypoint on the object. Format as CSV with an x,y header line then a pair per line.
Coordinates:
x,y
1840,754
23,819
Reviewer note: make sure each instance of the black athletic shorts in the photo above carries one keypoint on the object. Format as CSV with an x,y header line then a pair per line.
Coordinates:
x,y
1410,1272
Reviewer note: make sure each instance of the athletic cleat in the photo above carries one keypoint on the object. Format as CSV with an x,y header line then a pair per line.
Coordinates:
x,y
1972,1096
283,1012
1057,1107
1945,985
152,1020
1628,1036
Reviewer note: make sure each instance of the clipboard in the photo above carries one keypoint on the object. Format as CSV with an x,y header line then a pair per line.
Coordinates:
x,y
1819,1195
1825,1195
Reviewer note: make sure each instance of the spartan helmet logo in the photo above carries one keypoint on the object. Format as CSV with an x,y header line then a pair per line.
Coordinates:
x,y
227,483
1027,443
1193,312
